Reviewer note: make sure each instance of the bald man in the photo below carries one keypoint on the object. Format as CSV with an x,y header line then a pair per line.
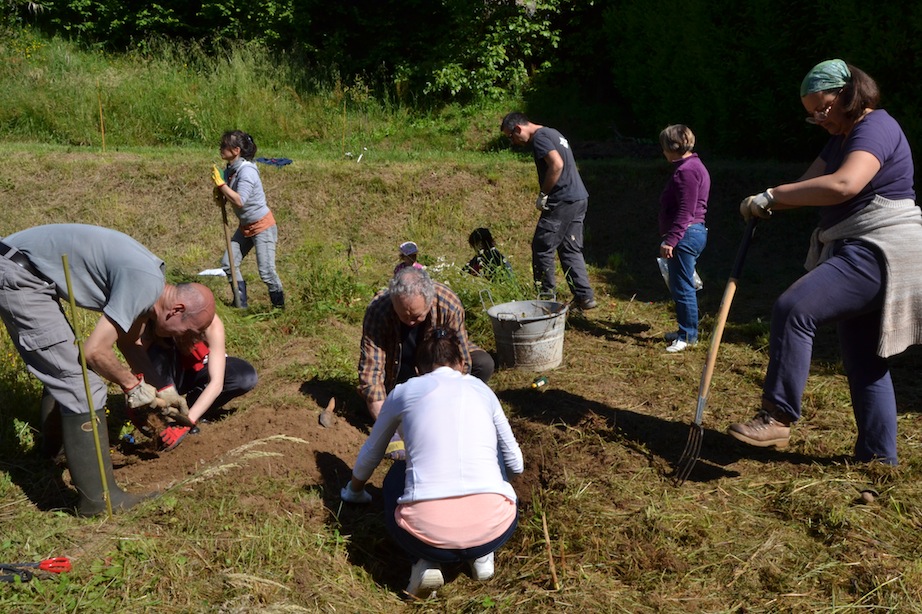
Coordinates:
x,y
113,274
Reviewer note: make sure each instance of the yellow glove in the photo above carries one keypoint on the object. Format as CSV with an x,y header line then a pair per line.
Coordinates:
x,y
217,176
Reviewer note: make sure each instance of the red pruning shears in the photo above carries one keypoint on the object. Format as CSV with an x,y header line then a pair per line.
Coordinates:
x,y
9,571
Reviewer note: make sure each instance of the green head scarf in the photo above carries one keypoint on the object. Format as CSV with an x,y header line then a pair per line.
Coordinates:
x,y
828,75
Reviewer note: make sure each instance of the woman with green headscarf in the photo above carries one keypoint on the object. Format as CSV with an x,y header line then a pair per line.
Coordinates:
x,y
860,263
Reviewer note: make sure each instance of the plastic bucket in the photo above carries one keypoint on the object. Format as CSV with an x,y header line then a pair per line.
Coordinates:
x,y
529,334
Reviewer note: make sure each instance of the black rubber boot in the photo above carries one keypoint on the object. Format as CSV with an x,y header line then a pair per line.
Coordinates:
x,y
242,294
84,467
278,299
52,439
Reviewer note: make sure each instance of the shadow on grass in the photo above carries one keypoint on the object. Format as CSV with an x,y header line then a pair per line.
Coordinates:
x,y
369,545
650,435
349,404
41,478
606,329
41,481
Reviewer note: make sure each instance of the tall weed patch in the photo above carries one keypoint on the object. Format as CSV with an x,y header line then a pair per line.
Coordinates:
x,y
52,91
169,95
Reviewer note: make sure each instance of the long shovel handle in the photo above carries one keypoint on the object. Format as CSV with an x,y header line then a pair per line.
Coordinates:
x,y
230,253
722,314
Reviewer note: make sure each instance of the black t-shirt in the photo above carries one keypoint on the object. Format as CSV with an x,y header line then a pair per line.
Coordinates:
x,y
569,187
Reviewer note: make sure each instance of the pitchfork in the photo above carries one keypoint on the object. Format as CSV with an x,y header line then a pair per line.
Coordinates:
x,y
696,433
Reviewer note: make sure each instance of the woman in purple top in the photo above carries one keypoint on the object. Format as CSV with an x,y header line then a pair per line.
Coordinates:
x,y
683,205
862,263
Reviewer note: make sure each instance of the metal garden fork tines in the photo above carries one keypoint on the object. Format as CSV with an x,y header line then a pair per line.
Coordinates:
x,y
696,433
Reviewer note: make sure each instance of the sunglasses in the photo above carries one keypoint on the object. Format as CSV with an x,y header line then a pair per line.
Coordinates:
x,y
819,116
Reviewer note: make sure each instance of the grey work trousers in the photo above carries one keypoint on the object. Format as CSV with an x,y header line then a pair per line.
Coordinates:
x,y
44,338
560,230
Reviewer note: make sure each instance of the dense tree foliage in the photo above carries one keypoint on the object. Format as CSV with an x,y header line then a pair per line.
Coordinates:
x,y
728,69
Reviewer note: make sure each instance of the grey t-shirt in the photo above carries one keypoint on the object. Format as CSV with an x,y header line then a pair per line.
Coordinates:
x,y
247,183
569,187
109,271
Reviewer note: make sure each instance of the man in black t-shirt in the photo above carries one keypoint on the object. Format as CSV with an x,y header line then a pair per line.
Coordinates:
x,y
562,201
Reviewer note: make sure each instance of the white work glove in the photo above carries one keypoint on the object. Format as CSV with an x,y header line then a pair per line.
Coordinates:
x,y
759,206
173,404
141,395
350,496
541,202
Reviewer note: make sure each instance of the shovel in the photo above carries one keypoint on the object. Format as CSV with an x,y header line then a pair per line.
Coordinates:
x,y
227,242
696,434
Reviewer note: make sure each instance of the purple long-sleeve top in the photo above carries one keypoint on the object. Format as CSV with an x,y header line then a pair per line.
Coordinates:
x,y
684,200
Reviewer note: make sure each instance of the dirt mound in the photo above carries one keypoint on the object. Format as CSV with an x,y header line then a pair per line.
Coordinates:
x,y
283,440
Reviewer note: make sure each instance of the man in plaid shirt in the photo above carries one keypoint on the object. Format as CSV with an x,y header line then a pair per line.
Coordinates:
x,y
395,320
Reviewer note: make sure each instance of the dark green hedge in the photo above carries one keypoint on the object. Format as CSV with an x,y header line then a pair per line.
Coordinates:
x,y
729,69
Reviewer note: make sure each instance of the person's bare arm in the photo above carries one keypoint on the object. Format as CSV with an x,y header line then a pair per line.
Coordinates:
x,y
554,171
100,354
217,363
374,408
820,190
230,195
816,168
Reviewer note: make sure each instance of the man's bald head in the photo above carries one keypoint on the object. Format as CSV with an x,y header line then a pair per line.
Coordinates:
x,y
199,302
183,309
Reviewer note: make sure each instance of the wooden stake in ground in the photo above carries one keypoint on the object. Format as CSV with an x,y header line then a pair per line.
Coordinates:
x,y
102,122
235,287
550,554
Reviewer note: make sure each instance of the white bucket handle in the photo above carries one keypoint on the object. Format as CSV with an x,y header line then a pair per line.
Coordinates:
x,y
492,303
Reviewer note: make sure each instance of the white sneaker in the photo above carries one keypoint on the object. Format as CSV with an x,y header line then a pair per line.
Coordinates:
x,y
482,569
425,579
679,346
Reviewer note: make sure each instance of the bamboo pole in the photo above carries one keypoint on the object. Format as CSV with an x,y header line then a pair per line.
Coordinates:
x,y
86,384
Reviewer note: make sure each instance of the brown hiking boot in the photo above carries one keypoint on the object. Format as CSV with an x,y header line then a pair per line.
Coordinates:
x,y
762,431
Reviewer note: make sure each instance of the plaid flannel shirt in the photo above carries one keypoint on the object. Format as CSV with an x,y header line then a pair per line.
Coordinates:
x,y
379,359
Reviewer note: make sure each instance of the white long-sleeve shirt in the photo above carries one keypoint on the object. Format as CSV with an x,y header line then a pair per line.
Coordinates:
x,y
453,429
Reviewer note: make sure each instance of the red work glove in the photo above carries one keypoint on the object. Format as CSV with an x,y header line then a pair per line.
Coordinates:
x,y
171,436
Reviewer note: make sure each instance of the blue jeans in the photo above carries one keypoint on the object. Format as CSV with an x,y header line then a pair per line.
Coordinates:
x,y
847,289
560,230
681,279
265,243
392,488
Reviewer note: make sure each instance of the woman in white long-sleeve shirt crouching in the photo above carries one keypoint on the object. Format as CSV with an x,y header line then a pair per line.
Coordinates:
x,y
449,501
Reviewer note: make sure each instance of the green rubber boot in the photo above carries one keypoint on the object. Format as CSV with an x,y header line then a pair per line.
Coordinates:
x,y
84,467
52,439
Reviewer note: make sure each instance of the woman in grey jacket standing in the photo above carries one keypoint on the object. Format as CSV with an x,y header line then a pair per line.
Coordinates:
x,y
241,186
